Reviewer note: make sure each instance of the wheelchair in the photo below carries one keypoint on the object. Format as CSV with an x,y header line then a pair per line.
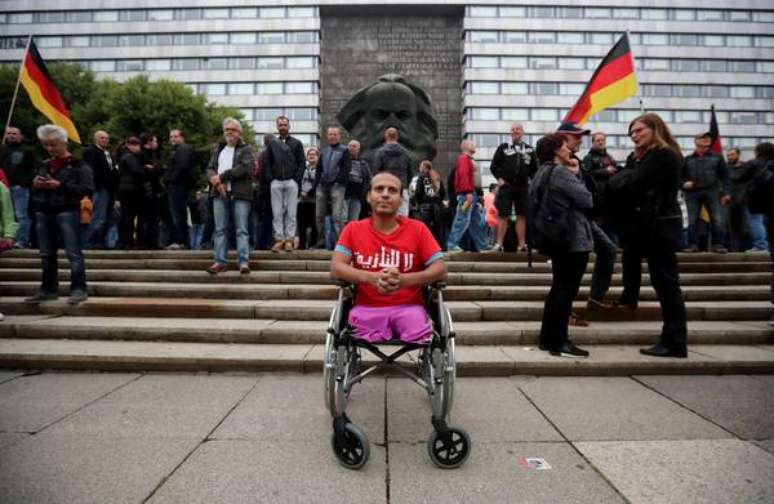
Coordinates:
x,y
434,370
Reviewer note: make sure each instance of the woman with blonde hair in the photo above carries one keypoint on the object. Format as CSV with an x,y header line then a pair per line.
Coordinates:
x,y
649,223
429,196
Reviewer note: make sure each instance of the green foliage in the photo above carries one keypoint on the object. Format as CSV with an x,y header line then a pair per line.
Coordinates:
x,y
123,109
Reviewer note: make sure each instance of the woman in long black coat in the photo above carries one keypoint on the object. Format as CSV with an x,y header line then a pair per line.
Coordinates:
x,y
649,222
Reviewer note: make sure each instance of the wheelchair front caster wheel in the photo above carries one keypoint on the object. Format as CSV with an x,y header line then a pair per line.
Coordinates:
x,y
351,447
451,450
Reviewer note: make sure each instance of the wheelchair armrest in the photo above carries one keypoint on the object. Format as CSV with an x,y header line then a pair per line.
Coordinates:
x,y
438,286
343,284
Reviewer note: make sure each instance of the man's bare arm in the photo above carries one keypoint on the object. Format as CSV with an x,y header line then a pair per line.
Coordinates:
x,y
436,272
341,269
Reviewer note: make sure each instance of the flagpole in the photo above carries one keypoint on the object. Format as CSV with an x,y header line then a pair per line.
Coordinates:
x,y
18,83
634,65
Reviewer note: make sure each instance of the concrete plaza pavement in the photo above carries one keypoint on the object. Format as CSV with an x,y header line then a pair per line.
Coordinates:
x,y
189,438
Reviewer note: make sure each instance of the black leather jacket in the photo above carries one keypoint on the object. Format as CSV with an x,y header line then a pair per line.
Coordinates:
x,y
76,179
706,172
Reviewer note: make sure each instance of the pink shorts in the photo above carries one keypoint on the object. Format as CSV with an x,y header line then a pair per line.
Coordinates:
x,y
377,324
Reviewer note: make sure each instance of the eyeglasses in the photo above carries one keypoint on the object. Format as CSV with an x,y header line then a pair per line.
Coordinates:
x,y
230,129
637,131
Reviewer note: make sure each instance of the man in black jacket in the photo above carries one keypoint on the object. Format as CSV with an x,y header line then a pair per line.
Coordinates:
x,y
705,182
177,179
18,162
58,188
105,173
285,165
394,158
512,165
331,178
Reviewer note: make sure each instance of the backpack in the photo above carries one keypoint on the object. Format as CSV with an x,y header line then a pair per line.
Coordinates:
x,y
552,223
760,191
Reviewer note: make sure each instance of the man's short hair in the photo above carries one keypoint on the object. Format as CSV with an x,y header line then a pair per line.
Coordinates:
x,y
333,128
764,150
596,134
52,132
392,133
146,137
281,118
235,122
390,174
702,136
179,132
735,149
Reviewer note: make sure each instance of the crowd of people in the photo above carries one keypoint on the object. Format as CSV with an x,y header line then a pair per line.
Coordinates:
x,y
284,197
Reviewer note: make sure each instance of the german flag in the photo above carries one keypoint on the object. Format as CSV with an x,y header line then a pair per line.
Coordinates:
x,y
612,82
43,92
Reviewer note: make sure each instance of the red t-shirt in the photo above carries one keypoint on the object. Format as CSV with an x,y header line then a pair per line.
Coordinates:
x,y
410,248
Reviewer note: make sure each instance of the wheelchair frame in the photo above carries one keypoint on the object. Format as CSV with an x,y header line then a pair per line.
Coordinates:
x,y
448,446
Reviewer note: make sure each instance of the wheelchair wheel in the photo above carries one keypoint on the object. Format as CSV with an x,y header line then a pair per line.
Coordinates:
x,y
329,377
450,377
450,451
351,448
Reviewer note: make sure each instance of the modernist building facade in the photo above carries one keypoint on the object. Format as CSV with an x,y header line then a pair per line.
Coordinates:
x,y
524,61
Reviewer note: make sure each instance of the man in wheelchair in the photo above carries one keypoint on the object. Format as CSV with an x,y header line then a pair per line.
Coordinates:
x,y
390,259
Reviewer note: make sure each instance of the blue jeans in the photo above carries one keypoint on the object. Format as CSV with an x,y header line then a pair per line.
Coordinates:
x,y
471,220
224,208
51,227
177,200
353,209
21,197
197,230
757,230
711,199
95,233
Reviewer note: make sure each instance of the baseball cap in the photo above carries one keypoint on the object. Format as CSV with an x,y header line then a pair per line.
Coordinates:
x,y
570,128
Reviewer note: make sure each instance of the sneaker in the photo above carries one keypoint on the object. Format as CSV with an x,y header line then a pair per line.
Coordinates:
x,y
289,245
495,248
691,249
2,317
244,269
756,251
456,249
216,268
40,297
174,246
568,350
659,350
77,297
278,246
720,249
521,248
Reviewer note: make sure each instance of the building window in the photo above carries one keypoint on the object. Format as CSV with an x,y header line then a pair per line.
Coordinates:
x,y
301,62
242,63
20,18
598,13
272,12
628,115
159,39
242,38
267,114
216,38
79,16
187,39
244,13
686,65
161,15
764,41
569,37
542,63
270,38
302,37
742,92
714,65
241,88
540,12
687,90
766,66
215,13
484,114
655,64
572,63
212,89
50,17
571,89
716,92
654,14
80,41
738,41
709,15
514,37
129,66
482,11
569,12
763,16
266,63
744,117
547,114
106,16
215,63
188,15
514,88
483,61
623,13
302,12
513,62
542,37
544,88
158,65
765,92
515,114
485,140
482,36
685,39
105,41
714,40
301,114
484,87
132,15
655,39
300,88
741,66
185,64
103,66
662,90
49,41
688,116
608,115
739,15
268,88
513,12
684,14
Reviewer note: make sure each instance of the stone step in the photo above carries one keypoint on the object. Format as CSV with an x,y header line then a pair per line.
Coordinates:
x,y
323,277
241,290
610,360
290,309
506,257
288,265
269,331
